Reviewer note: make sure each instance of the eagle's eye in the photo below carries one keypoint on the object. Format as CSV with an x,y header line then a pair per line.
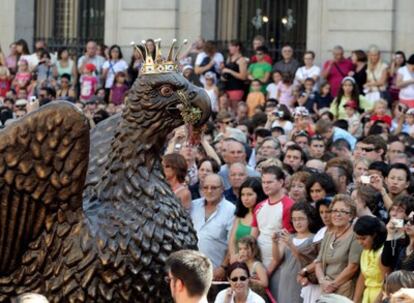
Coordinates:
x,y
166,90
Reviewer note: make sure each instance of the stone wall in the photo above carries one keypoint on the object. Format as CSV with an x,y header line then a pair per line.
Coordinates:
x,y
356,24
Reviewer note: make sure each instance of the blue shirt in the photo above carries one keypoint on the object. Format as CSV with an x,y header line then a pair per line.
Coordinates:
x,y
340,133
214,233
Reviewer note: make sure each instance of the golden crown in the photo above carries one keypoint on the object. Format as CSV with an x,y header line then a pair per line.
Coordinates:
x,y
159,64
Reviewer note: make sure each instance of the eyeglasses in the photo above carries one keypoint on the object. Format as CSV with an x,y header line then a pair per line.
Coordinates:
x,y
227,122
211,187
340,212
241,278
368,149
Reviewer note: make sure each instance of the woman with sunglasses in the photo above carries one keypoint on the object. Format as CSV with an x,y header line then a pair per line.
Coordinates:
x,y
338,261
239,291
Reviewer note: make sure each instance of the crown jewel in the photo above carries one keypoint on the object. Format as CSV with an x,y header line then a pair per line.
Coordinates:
x,y
159,64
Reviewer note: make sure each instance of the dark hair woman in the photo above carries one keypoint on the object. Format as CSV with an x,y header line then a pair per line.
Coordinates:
x,y
251,193
371,234
175,171
239,291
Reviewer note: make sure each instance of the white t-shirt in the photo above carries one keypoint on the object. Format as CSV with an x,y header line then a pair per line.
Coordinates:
x,y
113,68
218,59
287,126
252,297
302,73
213,98
272,91
406,93
269,220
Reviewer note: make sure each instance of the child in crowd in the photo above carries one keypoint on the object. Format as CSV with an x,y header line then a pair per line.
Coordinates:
x,y
323,99
285,91
5,83
307,95
23,76
212,91
119,89
380,112
88,82
223,101
272,87
409,120
353,118
255,97
249,253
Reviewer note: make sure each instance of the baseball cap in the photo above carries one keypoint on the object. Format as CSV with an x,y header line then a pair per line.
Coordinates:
x,y
351,104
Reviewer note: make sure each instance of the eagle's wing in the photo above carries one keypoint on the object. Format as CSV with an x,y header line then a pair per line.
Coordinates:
x,y
43,163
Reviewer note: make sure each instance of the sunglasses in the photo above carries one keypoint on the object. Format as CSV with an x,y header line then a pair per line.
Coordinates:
x,y
241,278
368,149
340,212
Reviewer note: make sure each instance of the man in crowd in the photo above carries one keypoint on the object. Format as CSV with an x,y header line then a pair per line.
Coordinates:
x,y
288,64
237,175
295,157
190,274
373,148
212,218
336,69
331,133
91,56
234,152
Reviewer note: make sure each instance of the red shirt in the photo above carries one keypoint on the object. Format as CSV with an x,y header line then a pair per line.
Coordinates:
x,y
286,204
337,72
4,87
266,57
386,118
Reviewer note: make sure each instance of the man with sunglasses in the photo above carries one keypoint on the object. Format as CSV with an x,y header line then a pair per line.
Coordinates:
x,y
373,148
190,274
212,218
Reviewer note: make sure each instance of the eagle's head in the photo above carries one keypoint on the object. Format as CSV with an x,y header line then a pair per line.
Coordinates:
x,y
159,103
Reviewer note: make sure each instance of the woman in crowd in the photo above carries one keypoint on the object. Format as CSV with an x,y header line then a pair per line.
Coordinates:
x,y
11,59
396,241
297,186
371,234
287,248
175,171
359,59
319,186
251,193
398,61
65,65
360,168
238,276
135,64
205,167
338,261
111,67
234,73
348,91
377,74
405,82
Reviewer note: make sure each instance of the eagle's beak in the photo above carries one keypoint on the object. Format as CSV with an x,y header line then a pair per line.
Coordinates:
x,y
199,99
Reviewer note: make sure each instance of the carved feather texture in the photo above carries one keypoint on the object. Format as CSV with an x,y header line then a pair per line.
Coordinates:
x,y
105,239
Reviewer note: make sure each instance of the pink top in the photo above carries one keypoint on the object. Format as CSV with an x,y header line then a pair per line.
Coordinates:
x,y
338,71
285,94
88,87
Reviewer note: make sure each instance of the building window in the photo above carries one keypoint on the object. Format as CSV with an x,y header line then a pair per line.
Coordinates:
x,y
279,22
69,23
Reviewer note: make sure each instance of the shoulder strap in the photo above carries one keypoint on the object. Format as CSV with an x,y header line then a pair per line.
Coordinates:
x,y
339,69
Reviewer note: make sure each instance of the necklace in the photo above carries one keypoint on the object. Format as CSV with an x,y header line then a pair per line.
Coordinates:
x,y
332,245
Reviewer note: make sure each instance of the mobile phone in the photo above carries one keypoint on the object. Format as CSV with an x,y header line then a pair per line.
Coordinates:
x,y
365,179
398,223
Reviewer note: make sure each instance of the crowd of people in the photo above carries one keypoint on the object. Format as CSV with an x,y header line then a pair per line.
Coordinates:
x,y
301,188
